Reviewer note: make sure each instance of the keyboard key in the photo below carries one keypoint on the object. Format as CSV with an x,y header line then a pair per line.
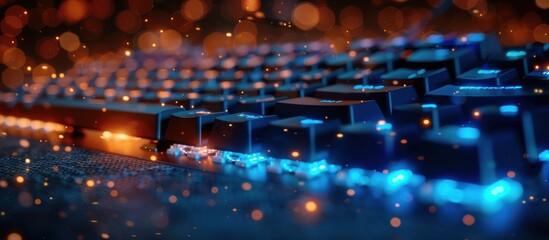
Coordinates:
x,y
218,103
427,116
191,127
295,90
140,120
347,111
300,138
488,77
474,96
239,132
385,96
387,60
519,59
469,155
422,80
486,46
537,78
263,105
456,61
365,76
370,145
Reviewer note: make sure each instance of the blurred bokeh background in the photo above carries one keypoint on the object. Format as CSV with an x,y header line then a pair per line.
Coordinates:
x,y
47,37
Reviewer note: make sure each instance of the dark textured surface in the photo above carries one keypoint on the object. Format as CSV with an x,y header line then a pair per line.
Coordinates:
x,y
141,209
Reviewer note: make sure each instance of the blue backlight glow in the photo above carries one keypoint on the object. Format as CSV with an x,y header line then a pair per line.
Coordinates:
x,y
513,54
544,156
435,39
490,88
398,178
367,87
428,105
508,110
475,37
309,121
488,71
468,133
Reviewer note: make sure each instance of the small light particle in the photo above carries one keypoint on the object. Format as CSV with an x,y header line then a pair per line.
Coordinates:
x,y
295,154
20,179
90,183
468,220
257,215
351,192
310,206
246,186
395,222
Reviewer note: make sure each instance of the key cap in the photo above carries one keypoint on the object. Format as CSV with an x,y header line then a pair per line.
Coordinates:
x,y
191,127
345,60
385,96
186,100
297,90
537,78
347,111
239,132
140,120
486,46
254,89
300,138
281,77
263,105
518,59
466,154
370,145
422,80
457,61
219,103
323,76
386,59
474,96
427,116
488,77
365,76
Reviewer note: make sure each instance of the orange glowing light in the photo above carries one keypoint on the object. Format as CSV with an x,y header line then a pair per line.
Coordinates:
x,y
257,215
395,222
246,186
305,16
511,174
250,5
90,183
339,135
476,114
14,236
311,206
350,192
426,122
153,158
468,220
20,179
295,154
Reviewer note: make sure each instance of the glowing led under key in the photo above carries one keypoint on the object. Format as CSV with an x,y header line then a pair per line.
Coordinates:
x,y
544,156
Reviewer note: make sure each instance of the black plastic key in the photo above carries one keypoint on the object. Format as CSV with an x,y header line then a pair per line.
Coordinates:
x,y
457,61
537,78
365,76
191,127
467,154
300,138
263,105
385,96
488,77
474,96
347,111
423,81
239,132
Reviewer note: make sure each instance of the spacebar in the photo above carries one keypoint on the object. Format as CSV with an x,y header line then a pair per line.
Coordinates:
x,y
139,120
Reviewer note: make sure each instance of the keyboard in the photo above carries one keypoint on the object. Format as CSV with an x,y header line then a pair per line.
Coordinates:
x,y
386,138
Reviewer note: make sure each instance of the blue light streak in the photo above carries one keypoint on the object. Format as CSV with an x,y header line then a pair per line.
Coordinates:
x,y
367,87
308,122
490,88
428,105
488,71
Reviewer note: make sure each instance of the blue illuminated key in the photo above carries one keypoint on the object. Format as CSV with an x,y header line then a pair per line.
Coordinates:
x,y
486,46
300,138
469,155
488,77
347,111
422,80
191,127
537,78
457,61
239,132
386,97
